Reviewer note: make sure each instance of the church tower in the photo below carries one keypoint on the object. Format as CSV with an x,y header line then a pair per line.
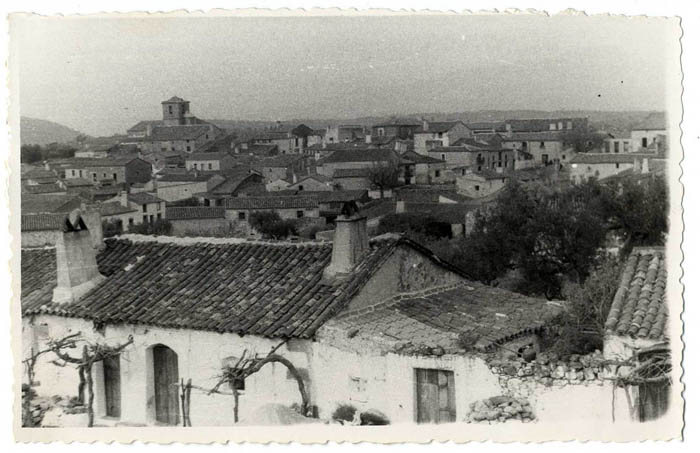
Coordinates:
x,y
175,111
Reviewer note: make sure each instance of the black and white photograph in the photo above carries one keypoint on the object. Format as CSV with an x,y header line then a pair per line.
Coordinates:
x,y
319,226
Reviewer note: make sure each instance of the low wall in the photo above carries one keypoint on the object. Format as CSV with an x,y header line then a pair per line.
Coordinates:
x,y
578,390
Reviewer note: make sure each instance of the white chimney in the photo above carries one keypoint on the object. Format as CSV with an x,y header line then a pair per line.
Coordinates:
x,y
350,243
426,125
149,130
124,198
76,264
93,220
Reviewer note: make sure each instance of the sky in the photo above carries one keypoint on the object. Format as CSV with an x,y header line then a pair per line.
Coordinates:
x,y
101,75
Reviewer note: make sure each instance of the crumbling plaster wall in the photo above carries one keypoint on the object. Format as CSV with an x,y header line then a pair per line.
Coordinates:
x,y
369,379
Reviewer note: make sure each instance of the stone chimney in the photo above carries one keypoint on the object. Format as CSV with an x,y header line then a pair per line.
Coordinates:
x,y
76,265
426,125
149,130
350,243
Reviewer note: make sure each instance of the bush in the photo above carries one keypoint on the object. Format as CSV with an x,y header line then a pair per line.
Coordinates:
x,y
158,228
271,225
414,225
112,228
373,417
344,412
581,329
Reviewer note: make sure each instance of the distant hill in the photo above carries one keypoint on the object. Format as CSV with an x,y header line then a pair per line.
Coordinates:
x,y
34,131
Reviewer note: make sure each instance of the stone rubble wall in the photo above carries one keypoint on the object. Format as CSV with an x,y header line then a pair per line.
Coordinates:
x,y
562,389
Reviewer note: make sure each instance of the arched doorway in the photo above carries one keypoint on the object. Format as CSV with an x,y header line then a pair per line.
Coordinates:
x,y
165,385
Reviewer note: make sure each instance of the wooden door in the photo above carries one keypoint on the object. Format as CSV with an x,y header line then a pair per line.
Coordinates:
x,y
435,396
113,395
166,379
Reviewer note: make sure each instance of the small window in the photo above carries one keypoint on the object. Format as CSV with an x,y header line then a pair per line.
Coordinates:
x,y
72,172
159,206
617,165
210,166
617,147
301,187
194,166
442,156
541,144
476,188
145,219
158,216
300,214
644,142
464,172
189,148
150,218
241,216
114,176
131,221
437,173
143,208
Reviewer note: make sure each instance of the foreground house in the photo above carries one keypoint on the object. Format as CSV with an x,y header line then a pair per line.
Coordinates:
x,y
257,296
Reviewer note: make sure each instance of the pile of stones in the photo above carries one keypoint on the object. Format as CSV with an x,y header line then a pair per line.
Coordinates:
x,y
39,406
499,409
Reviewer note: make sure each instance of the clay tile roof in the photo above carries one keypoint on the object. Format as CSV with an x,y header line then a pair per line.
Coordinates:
x,y
143,198
114,208
639,308
173,99
283,202
195,212
208,156
43,222
43,188
165,133
77,182
360,155
416,158
266,289
436,317
607,158
438,126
